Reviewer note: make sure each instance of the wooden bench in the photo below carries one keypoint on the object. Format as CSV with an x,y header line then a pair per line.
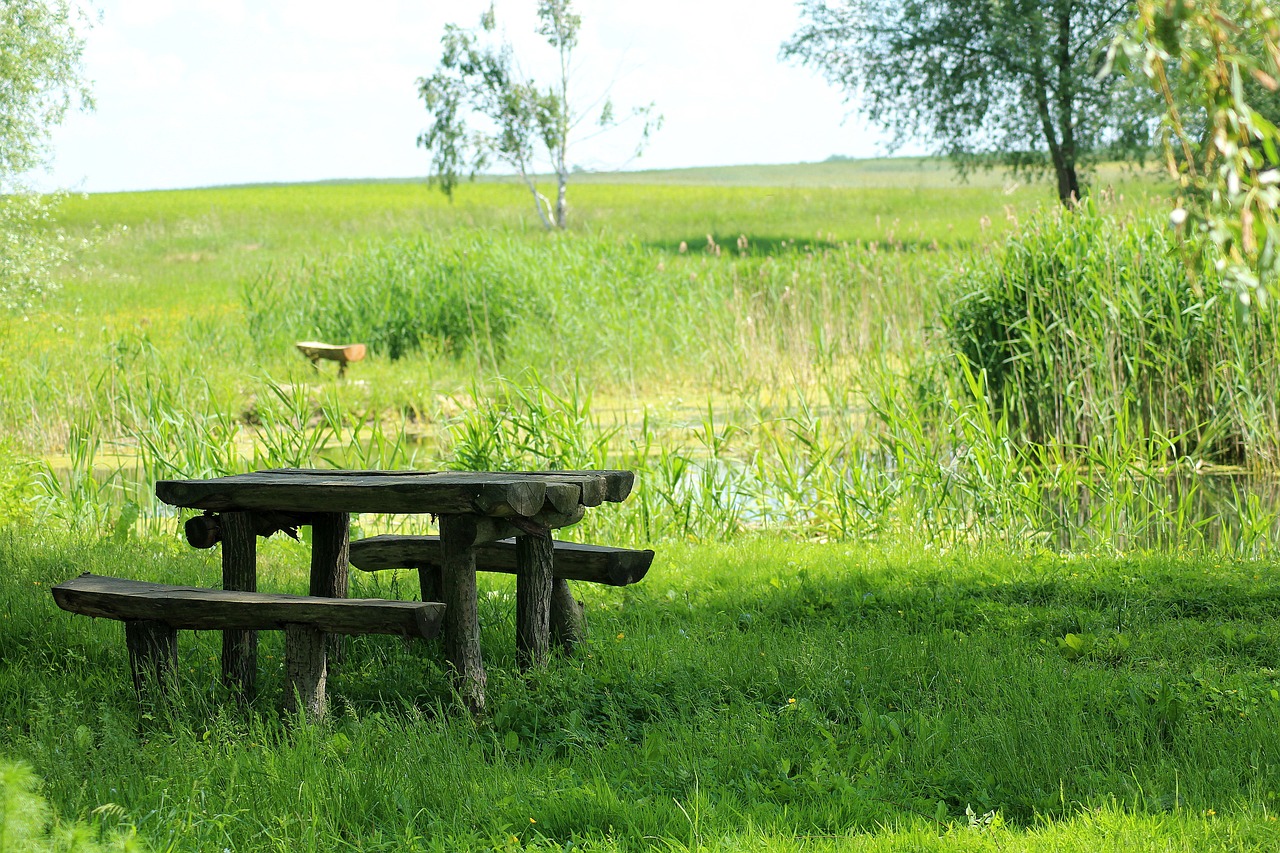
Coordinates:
x,y
153,613
341,353
570,562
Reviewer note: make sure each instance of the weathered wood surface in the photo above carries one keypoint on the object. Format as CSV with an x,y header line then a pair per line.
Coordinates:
x,y
568,617
153,653
205,531
594,563
567,489
440,493
617,485
211,609
306,670
533,599
239,573
462,618
330,535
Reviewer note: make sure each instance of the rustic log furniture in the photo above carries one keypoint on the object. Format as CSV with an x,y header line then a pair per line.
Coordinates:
x,y
570,562
154,612
473,509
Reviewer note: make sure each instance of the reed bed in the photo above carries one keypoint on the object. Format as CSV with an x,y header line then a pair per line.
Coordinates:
x,y
1060,386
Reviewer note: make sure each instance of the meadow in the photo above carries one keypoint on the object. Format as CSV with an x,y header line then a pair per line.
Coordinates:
x,y
906,596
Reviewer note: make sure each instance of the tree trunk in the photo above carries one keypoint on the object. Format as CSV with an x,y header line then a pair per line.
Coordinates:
x,y
1068,183
540,202
562,204
330,541
534,554
1065,161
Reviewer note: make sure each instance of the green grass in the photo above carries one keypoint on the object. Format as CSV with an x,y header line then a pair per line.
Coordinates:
x,y
989,647
760,694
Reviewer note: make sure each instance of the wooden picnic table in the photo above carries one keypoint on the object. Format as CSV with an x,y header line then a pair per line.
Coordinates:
x,y
473,508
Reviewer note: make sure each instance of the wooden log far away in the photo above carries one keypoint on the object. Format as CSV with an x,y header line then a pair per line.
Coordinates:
x,y
341,353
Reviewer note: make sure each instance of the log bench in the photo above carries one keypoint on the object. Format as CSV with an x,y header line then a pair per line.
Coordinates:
x,y
153,613
570,561
341,353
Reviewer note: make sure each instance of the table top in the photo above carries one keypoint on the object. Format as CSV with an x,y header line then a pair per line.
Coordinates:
x,y
498,494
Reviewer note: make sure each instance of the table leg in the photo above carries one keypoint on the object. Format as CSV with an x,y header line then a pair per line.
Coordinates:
x,y
330,543
330,569
533,598
461,618
239,572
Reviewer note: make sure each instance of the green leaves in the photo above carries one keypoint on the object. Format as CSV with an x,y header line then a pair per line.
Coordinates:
x,y
1111,648
1214,65
485,111
986,84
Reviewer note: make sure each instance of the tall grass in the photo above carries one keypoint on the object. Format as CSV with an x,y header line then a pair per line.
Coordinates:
x,y
603,307
402,296
1088,325
787,386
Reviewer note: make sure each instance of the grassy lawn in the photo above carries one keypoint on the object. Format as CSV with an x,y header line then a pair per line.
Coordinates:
x,y
763,693
868,627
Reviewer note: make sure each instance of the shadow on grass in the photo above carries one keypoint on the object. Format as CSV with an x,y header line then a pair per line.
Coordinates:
x,y
773,246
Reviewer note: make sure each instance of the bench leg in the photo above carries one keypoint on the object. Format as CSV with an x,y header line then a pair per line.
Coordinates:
x,y
533,598
461,618
239,572
330,569
305,670
431,583
568,622
153,653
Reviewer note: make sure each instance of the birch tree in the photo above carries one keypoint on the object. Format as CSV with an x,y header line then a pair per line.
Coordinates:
x,y
485,111
41,78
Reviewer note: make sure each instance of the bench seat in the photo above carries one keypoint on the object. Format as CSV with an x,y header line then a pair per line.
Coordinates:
x,y
571,561
153,613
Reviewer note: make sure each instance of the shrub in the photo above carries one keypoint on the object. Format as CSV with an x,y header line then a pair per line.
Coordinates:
x,y
1086,324
398,297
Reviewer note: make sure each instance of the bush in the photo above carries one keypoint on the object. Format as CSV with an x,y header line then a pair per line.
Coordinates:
x,y
401,296
1086,324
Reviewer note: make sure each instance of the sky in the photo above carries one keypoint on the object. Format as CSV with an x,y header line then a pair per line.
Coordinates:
x,y
207,92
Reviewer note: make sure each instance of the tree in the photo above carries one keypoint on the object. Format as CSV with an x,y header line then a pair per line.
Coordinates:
x,y
41,77
483,109
1010,83
1216,67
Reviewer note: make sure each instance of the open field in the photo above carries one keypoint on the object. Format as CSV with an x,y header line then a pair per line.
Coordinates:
x,y
878,620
